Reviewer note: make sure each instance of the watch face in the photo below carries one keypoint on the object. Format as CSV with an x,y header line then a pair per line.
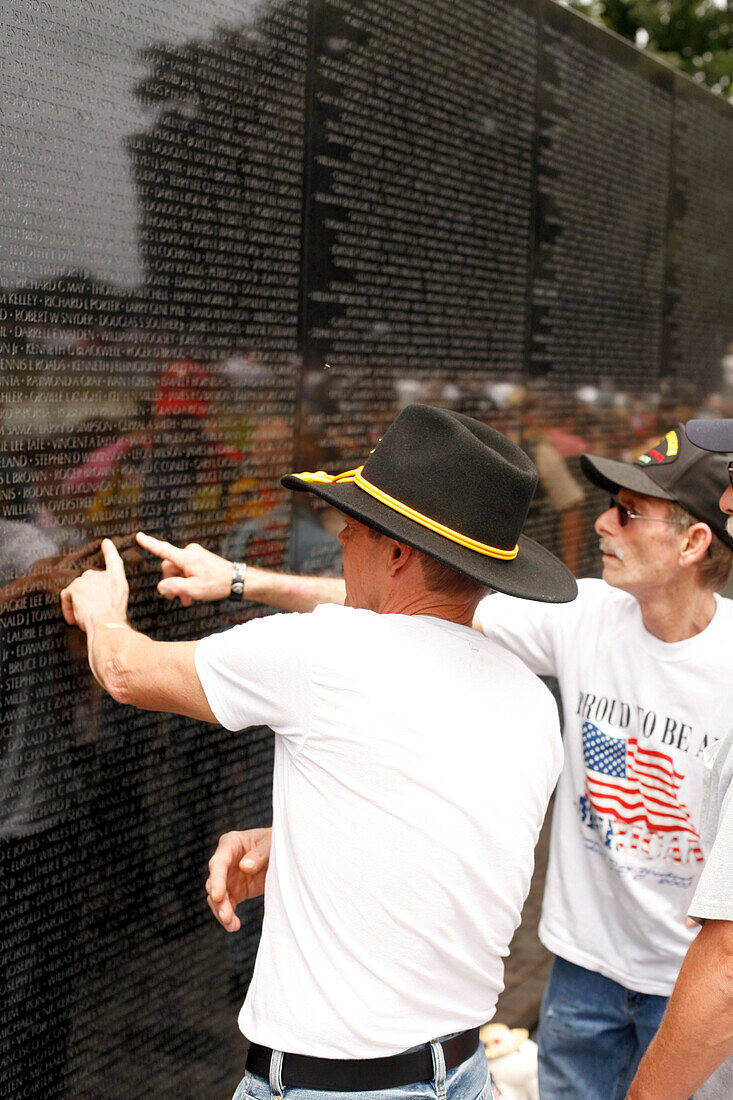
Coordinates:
x,y
236,591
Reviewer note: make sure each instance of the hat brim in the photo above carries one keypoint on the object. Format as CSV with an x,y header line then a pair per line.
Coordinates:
x,y
535,573
611,475
711,435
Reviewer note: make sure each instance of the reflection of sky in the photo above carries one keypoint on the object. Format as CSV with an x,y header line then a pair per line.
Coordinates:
x,y
67,198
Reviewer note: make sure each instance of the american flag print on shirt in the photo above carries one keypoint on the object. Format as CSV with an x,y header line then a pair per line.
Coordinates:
x,y
635,785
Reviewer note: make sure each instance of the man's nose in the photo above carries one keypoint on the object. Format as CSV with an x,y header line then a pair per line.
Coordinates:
x,y
607,523
726,501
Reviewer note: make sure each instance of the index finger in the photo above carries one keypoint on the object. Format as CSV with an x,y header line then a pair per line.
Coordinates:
x,y
160,548
113,561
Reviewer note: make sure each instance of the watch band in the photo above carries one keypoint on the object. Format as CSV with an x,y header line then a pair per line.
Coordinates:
x,y
236,592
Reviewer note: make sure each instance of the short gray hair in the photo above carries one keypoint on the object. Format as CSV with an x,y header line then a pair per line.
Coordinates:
x,y
715,567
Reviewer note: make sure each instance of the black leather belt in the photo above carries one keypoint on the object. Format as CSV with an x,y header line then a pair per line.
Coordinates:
x,y
362,1074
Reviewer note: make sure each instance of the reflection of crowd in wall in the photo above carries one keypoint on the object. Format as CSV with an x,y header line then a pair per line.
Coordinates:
x,y
120,800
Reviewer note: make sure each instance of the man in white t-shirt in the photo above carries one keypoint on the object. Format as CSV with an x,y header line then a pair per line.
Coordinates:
x,y
693,1049
408,749
642,658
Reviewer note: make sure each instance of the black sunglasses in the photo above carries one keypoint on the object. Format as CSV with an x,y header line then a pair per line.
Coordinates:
x,y
625,514
730,473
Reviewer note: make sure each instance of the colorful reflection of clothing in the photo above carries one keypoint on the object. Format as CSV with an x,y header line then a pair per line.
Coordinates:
x,y
38,833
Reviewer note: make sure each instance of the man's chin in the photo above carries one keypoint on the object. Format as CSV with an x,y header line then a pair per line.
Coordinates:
x,y
612,573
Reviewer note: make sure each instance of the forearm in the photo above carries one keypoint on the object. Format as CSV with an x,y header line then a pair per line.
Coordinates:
x,y
111,649
291,593
696,1034
193,573
141,672
133,668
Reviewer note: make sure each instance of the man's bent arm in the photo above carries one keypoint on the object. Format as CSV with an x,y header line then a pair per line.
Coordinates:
x,y
141,672
193,573
134,669
696,1034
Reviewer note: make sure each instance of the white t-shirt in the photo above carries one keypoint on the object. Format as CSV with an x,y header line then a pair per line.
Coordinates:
x,y
713,898
625,852
414,761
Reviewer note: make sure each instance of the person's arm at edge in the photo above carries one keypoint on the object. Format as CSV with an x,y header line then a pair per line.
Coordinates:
x,y
132,668
696,1034
193,573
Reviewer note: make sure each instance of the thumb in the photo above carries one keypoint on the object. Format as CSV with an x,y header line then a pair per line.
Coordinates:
x,y
256,858
67,607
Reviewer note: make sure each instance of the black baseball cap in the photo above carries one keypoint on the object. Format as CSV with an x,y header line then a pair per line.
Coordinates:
x,y
711,435
673,469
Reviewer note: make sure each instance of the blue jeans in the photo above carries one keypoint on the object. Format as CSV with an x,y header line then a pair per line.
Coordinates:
x,y
469,1081
592,1034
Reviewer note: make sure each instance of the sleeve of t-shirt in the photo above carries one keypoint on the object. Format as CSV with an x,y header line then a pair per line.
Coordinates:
x,y
524,627
713,898
259,674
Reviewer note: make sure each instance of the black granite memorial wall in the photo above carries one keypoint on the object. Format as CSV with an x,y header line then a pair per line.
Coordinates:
x,y
235,238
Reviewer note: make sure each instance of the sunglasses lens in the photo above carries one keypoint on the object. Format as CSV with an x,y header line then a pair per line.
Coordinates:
x,y
623,515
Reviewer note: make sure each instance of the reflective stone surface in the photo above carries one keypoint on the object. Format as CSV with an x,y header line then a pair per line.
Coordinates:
x,y
235,238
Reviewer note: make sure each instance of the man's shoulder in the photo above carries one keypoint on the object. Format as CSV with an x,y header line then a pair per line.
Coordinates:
x,y
718,760
592,594
594,590
724,608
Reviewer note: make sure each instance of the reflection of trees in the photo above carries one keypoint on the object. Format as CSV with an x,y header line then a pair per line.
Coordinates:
x,y
694,35
219,172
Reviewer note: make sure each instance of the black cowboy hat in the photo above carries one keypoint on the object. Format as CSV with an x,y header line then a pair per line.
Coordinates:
x,y
455,489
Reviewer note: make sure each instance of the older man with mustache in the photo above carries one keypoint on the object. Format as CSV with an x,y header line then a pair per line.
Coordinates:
x,y
643,660
693,1049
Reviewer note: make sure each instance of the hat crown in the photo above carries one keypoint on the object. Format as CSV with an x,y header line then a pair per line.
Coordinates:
x,y
457,472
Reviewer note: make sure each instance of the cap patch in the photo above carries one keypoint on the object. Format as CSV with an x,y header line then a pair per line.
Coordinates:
x,y
666,450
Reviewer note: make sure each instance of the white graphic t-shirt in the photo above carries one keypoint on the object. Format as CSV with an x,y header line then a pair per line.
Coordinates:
x,y
625,850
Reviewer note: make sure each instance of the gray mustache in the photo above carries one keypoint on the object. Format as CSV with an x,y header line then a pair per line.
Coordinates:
x,y
607,547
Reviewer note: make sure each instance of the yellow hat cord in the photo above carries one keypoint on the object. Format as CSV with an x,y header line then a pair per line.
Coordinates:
x,y
357,478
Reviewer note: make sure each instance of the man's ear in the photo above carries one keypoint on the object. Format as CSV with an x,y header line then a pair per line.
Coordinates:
x,y
698,537
400,555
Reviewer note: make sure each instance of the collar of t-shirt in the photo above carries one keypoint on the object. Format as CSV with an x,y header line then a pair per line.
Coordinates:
x,y
688,647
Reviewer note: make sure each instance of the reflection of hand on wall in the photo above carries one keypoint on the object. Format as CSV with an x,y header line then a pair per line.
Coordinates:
x,y
48,576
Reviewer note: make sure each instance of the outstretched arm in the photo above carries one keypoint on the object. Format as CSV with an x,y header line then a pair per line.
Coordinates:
x,y
237,872
193,573
696,1034
133,668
